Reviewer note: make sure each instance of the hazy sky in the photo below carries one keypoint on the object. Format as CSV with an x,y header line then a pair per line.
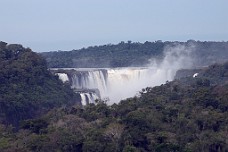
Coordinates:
x,y
48,25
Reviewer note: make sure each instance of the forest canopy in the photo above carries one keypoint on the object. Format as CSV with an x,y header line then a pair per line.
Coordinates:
x,y
129,53
27,88
187,114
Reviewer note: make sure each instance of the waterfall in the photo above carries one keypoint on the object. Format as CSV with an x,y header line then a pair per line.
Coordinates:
x,y
96,79
114,84
87,98
63,77
127,82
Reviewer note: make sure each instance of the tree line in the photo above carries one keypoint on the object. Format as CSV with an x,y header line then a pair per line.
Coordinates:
x,y
129,53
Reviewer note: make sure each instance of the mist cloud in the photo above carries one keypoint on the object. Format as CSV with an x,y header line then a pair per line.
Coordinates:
x,y
117,84
127,82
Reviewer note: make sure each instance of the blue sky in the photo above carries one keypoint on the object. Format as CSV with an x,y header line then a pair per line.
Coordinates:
x,y
50,25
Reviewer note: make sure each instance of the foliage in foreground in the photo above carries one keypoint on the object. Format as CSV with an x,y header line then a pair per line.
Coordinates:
x,y
27,88
190,114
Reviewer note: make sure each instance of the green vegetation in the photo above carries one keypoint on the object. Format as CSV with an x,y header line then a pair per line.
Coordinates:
x,y
27,88
190,114
134,54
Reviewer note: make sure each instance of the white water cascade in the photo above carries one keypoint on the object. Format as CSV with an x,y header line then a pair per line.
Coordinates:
x,y
88,98
63,77
114,84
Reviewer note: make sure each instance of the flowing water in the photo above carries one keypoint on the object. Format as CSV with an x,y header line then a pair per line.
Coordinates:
x,y
113,84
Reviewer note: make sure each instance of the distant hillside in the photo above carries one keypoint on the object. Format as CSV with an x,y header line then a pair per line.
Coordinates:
x,y
135,54
215,74
27,88
185,115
